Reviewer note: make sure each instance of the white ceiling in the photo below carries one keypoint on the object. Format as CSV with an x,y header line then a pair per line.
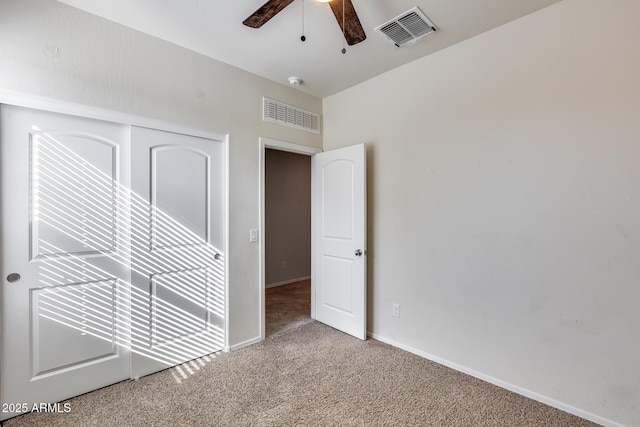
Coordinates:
x,y
214,28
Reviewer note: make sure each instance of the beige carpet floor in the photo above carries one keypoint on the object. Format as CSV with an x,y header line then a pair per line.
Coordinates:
x,y
304,374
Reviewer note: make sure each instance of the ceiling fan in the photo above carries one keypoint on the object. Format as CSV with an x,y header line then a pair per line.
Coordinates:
x,y
343,10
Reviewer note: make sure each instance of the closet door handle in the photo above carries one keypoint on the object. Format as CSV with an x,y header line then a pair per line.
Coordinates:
x,y
13,278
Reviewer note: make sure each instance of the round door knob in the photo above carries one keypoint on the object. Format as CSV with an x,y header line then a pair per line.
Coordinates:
x,y
358,252
13,278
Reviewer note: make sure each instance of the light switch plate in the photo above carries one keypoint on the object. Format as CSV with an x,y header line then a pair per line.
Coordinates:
x,y
395,310
253,235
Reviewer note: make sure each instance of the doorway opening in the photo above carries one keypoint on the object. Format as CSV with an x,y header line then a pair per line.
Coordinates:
x,y
286,288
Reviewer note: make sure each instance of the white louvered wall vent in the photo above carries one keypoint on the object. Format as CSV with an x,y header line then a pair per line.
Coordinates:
x,y
407,28
287,115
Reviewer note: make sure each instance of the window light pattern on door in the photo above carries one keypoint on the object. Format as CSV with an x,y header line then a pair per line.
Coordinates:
x,y
76,295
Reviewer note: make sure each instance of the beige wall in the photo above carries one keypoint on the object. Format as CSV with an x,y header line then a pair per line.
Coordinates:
x,y
101,64
287,216
504,204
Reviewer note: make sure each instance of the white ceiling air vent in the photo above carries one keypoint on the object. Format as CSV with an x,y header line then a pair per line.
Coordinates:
x,y
407,28
286,115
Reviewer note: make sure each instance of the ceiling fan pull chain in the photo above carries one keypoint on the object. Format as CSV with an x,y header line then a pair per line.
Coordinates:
x,y
303,37
344,39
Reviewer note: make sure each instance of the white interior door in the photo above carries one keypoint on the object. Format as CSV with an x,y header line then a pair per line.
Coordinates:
x,y
339,239
178,258
64,261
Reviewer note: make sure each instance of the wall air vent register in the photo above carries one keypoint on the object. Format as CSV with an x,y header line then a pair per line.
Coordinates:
x,y
287,115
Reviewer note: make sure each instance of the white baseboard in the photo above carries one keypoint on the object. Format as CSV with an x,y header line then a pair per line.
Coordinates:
x,y
286,282
503,384
244,344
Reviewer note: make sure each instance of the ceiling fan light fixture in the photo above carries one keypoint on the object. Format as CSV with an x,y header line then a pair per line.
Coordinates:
x,y
343,11
323,1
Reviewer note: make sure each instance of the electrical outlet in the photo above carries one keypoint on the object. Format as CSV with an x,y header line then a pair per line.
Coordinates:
x,y
283,264
395,310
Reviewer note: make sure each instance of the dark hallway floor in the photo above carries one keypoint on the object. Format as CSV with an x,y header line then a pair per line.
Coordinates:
x,y
287,306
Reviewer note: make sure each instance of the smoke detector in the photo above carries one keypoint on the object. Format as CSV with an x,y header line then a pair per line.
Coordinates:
x,y
295,81
407,28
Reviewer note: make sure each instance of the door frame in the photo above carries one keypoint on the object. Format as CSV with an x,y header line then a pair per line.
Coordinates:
x,y
81,110
264,144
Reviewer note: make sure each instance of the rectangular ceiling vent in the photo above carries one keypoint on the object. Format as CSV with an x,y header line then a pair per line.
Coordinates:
x,y
287,115
407,28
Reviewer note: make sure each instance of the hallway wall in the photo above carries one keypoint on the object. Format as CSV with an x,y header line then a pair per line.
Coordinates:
x,y
287,217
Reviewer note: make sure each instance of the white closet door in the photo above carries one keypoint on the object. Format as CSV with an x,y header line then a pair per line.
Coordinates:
x,y
64,259
177,253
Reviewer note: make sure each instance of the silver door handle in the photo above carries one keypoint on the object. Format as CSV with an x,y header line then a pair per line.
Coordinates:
x,y
358,252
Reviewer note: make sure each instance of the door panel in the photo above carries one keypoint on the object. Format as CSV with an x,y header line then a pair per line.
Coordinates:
x,y
78,316
338,215
187,205
336,295
64,322
168,297
72,187
177,252
339,248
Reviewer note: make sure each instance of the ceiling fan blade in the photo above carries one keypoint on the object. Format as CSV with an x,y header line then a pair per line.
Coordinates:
x,y
267,11
353,31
